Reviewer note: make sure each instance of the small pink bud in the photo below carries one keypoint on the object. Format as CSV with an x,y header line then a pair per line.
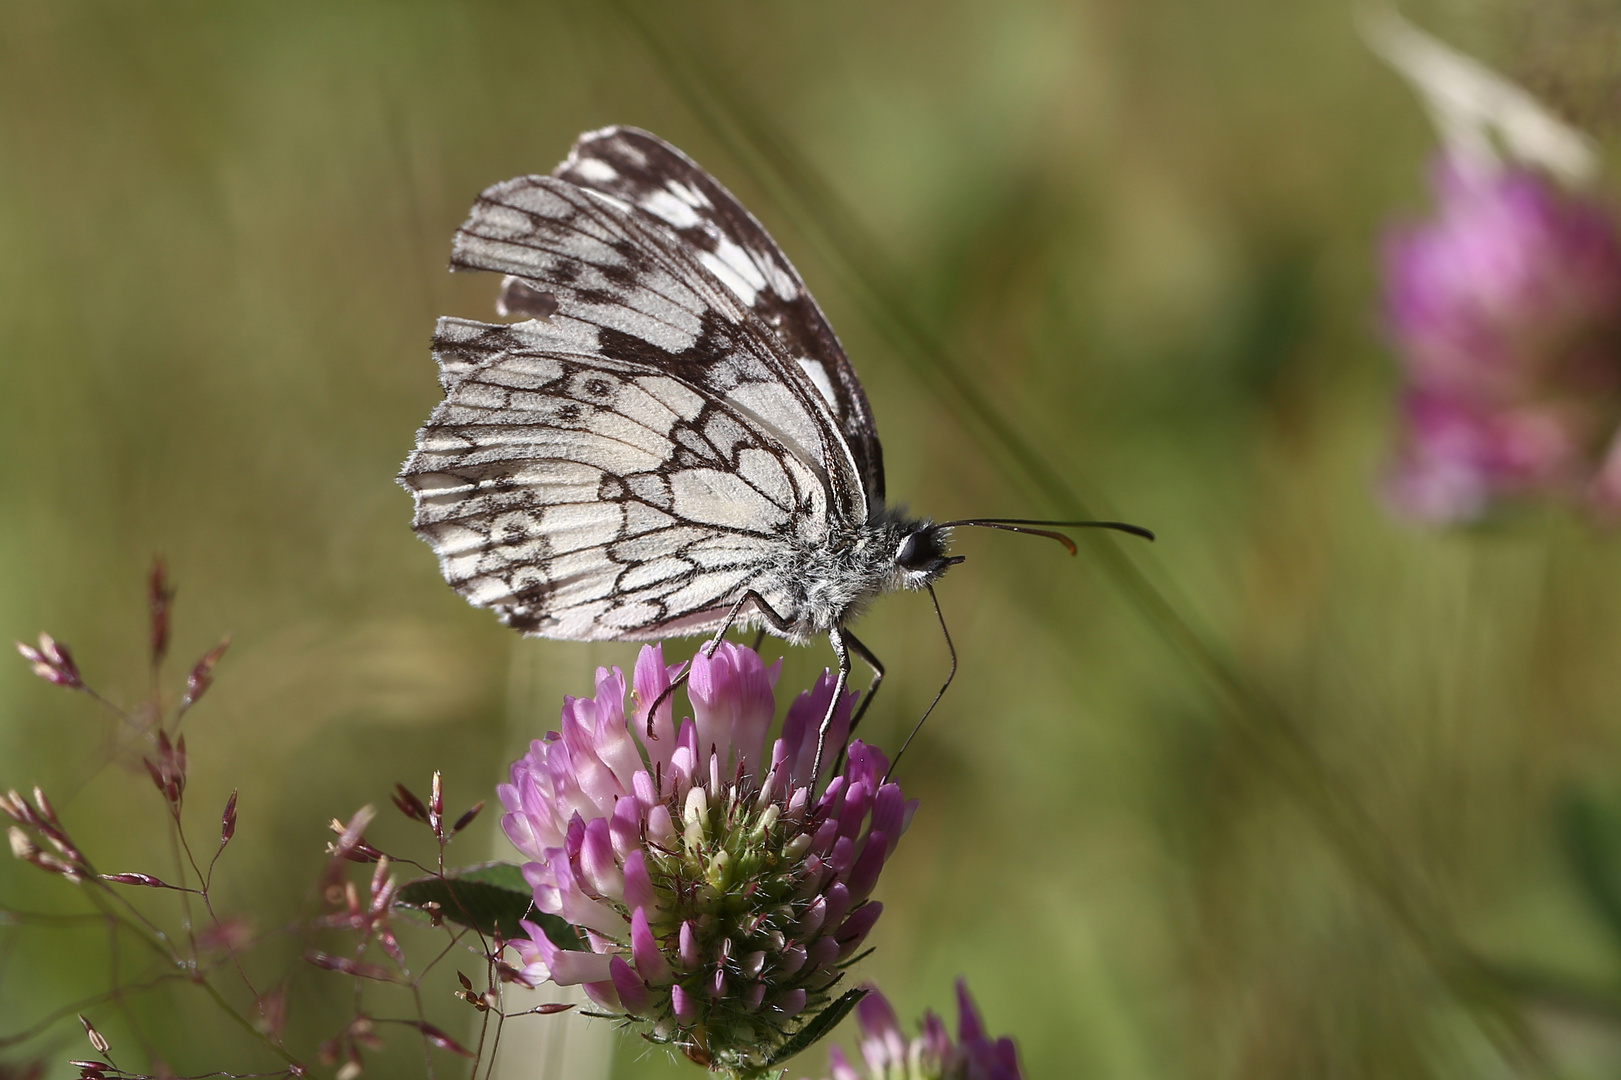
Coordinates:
x,y
439,1040
147,880
156,773
228,820
158,595
687,942
754,997
52,662
686,1009
45,809
436,805
58,839
168,771
98,1043
467,818
409,804
202,674
22,847
822,953
380,887
350,836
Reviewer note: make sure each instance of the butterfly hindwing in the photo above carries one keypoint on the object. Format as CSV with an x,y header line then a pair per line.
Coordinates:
x,y
587,497
644,171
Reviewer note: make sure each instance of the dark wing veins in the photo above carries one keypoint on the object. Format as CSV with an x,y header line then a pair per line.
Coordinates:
x,y
588,497
656,301
656,178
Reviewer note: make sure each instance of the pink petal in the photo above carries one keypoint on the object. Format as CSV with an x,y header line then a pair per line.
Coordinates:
x,y
868,865
644,948
688,946
881,1041
598,864
638,886
651,678
686,1009
855,929
569,966
632,994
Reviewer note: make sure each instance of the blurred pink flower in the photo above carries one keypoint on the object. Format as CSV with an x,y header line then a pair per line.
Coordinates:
x,y
1505,309
931,1055
720,886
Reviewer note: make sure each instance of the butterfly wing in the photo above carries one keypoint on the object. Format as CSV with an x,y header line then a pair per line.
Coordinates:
x,y
654,301
634,459
592,497
648,173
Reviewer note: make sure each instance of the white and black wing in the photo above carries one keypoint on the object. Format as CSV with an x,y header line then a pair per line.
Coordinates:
x,y
648,173
590,498
634,460
655,301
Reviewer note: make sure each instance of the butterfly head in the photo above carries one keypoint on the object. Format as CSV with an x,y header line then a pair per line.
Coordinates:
x,y
921,546
921,554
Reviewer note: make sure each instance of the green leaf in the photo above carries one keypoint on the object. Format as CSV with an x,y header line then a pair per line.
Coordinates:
x,y
818,1027
490,898
1592,835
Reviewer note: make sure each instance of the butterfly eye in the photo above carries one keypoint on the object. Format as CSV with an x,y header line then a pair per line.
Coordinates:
x,y
917,551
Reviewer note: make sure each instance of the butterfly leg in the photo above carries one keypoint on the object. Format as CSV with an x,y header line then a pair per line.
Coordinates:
x,y
835,638
858,647
767,612
861,650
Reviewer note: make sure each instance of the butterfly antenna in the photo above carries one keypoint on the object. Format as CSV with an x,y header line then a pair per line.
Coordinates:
x,y
952,674
1024,525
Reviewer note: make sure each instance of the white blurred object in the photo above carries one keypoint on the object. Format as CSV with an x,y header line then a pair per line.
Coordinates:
x,y
1469,102
563,1046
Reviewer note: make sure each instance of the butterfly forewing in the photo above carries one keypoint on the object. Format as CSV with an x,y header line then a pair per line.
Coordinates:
x,y
655,303
645,172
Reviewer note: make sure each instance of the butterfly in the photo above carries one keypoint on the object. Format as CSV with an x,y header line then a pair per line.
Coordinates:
x,y
671,440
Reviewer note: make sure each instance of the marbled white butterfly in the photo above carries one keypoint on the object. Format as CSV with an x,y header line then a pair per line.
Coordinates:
x,y
673,441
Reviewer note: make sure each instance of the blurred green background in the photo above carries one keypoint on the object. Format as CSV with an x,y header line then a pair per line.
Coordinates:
x,y
1145,233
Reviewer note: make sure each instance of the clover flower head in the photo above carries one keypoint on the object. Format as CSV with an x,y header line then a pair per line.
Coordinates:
x,y
1505,310
930,1055
720,886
